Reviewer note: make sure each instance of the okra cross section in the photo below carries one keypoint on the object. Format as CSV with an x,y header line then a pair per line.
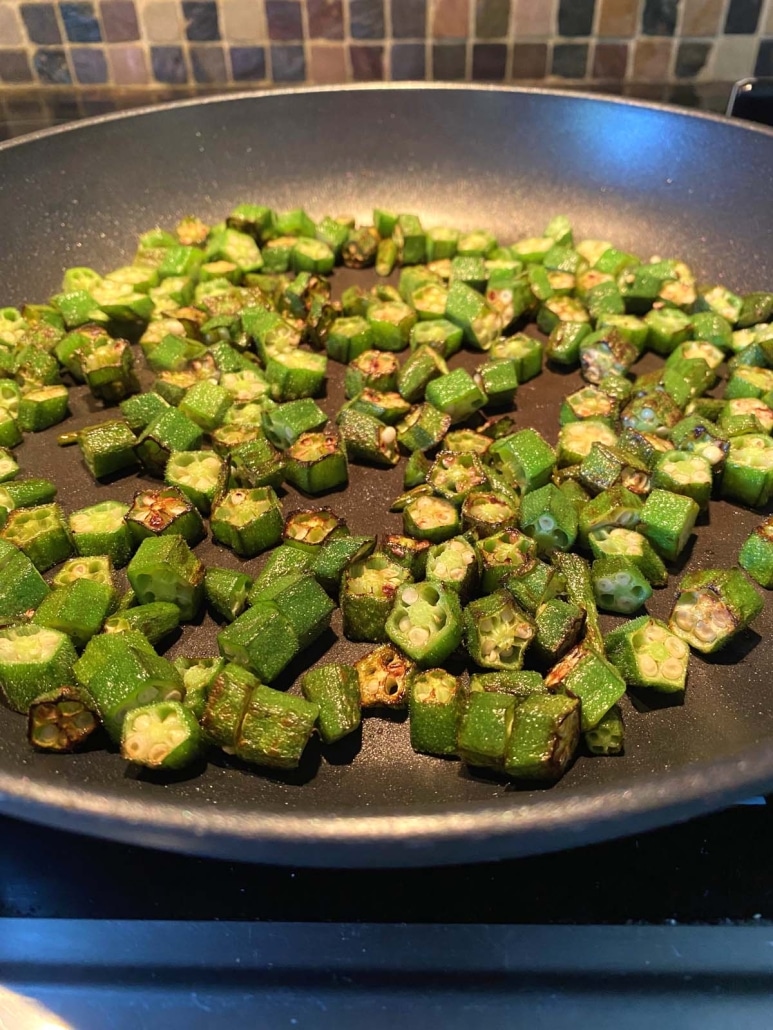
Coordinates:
x,y
41,532
434,705
544,737
316,462
248,521
549,518
647,654
713,606
164,735
453,476
383,676
497,631
425,622
33,661
619,585
101,529
368,591
155,512
165,569
60,721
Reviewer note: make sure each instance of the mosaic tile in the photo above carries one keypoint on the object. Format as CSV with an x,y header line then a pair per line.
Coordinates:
x,y
243,21
327,64
248,63
743,17
733,56
326,19
128,65
610,60
366,19
201,21
530,60
161,19
284,19
51,67
449,61
288,63
764,64
409,61
691,58
41,23
489,62
89,64
10,27
570,60
80,22
534,18
367,63
208,64
652,58
492,18
659,17
618,18
168,63
701,17
450,19
575,18
409,19
15,66
119,21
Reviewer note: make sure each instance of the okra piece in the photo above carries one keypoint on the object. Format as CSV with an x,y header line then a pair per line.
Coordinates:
x,y
165,569
439,334
295,374
390,324
206,405
756,554
281,561
496,631
485,726
158,512
619,585
480,323
247,521
335,689
371,369
533,583
699,436
226,592
524,350
275,728
434,704
647,654
98,568
748,474
468,441
549,518
591,402
617,506
169,432
684,472
60,721
41,532
520,685
576,573
577,439
485,512
225,703
155,620
608,542
383,676
332,558
456,394
425,622
584,674
499,555
608,736
453,476
713,606
303,602
498,381
367,439
33,661
101,529
22,588
163,735
544,737
524,458
198,675
423,428
667,520
108,448
423,365
360,248
262,639
368,590
256,463
316,462
42,407
405,551
454,563
309,528
388,406
559,625
201,476
431,518
79,610
416,469
348,339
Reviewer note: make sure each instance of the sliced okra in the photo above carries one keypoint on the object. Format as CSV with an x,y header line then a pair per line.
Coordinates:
x,y
387,406
33,661
416,469
439,334
484,728
79,610
423,428
22,588
549,518
712,607
383,676
614,541
198,675
700,436
520,684
302,601
165,569
107,448
500,554
431,518
367,439
667,520
155,620
280,562
155,512
684,472
619,585
226,592
434,704
453,476
559,625
454,563
748,474
485,512
225,702
756,554
201,476
61,720
497,631
405,551
368,590
576,573
98,568
262,639
425,622
467,441
608,736
247,521
162,735
332,558
390,323
335,689
41,533
544,737
316,462
423,365
171,431
647,654
101,529
372,369
617,506
311,528
360,248
584,674
577,439
525,459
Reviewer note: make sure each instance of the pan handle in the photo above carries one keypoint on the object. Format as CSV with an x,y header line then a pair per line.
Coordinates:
x,y
752,99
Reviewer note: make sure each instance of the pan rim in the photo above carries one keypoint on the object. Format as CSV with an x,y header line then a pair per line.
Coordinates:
x,y
396,837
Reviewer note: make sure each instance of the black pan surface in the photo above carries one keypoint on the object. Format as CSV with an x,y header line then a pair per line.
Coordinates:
x,y
653,180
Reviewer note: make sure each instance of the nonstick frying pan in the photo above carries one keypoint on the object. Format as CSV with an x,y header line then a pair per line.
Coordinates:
x,y
650,179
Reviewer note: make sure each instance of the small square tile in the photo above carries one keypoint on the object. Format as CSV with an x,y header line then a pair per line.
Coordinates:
x,y
450,19
41,24
492,18
51,67
367,63
618,19
161,19
168,63
691,59
409,61
570,60
530,60
409,19
284,19
201,23
327,65
128,65
489,62
534,18
243,21
248,63
15,66
743,17
208,64
10,27
769,22
651,61
764,65
89,64
701,17
119,20
734,58
288,63
80,22
326,19
610,61
659,17
449,61
25,105
575,18
366,19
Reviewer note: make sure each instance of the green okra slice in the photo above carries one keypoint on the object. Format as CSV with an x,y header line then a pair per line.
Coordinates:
x,y
756,554
262,639
647,654
589,403
311,528
295,374
335,689
101,529
684,472
619,585
225,704
455,564
78,610
390,324
247,386
544,737
608,736
524,350
498,381
41,533
533,583
256,463
426,517
439,334
22,588
316,462
423,428
349,339
468,441
608,542
712,607
434,704
367,439
520,685
576,440
95,567
576,573
201,476
303,602
454,475
383,676
162,735
108,448
486,512
549,518
248,521
371,369
206,404
584,674
456,394
497,631
61,720
748,474
525,459
42,407
155,620
281,561
423,365
368,590
559,625
226,592
33,661
108,369
480,323
331,559
484,728
140,410
617,506
198,675
169,432
165,569
425,622
275,728
405,551
386,406
698,435
360,248
163,511
499,555
667,520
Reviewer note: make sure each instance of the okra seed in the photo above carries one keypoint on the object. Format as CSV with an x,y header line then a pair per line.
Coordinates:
x,y
523,632
671,669
157,753
684,618
418,636
143,722
410,595
47,733
655,634
648,665
676,647
486,625
405,624
389,435
705,631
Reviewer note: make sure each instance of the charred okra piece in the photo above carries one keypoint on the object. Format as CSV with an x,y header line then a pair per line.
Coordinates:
x,y
248,521
485,512
316,462
756,554
79,610
586,675
423,428
617,506
608,736
524,458
372,369
484,728
627,543
226,592
383,676
667,520
310,528
425,622
388,407
332,558
405,551
549,518
434,703
559,625
360,248
496,631
544,737
41,532
262,639
713,606
200,475
33,661
453,475
431,518
619,585
480,323
22,588
367,439
60,721
647,654
454,563
108,448
163,735
225,704
165,569
390,324
275,728
157,512
102,529
579,590
368,590
520,685
155,620
335,689
500,554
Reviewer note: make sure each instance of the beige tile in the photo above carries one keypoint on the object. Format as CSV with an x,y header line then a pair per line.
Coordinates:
x,y
618,18
701,17
769,20
450,19
10,29
734,58
534,18
651,60
243,21
327,64
161,21
128,65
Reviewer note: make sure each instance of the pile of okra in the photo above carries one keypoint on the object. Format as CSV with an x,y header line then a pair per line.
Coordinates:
x,y
484,612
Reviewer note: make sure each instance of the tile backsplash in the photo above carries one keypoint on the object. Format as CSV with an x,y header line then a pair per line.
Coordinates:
x,y
169,44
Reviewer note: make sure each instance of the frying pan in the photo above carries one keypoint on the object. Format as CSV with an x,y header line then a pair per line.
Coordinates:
x,y
650,179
